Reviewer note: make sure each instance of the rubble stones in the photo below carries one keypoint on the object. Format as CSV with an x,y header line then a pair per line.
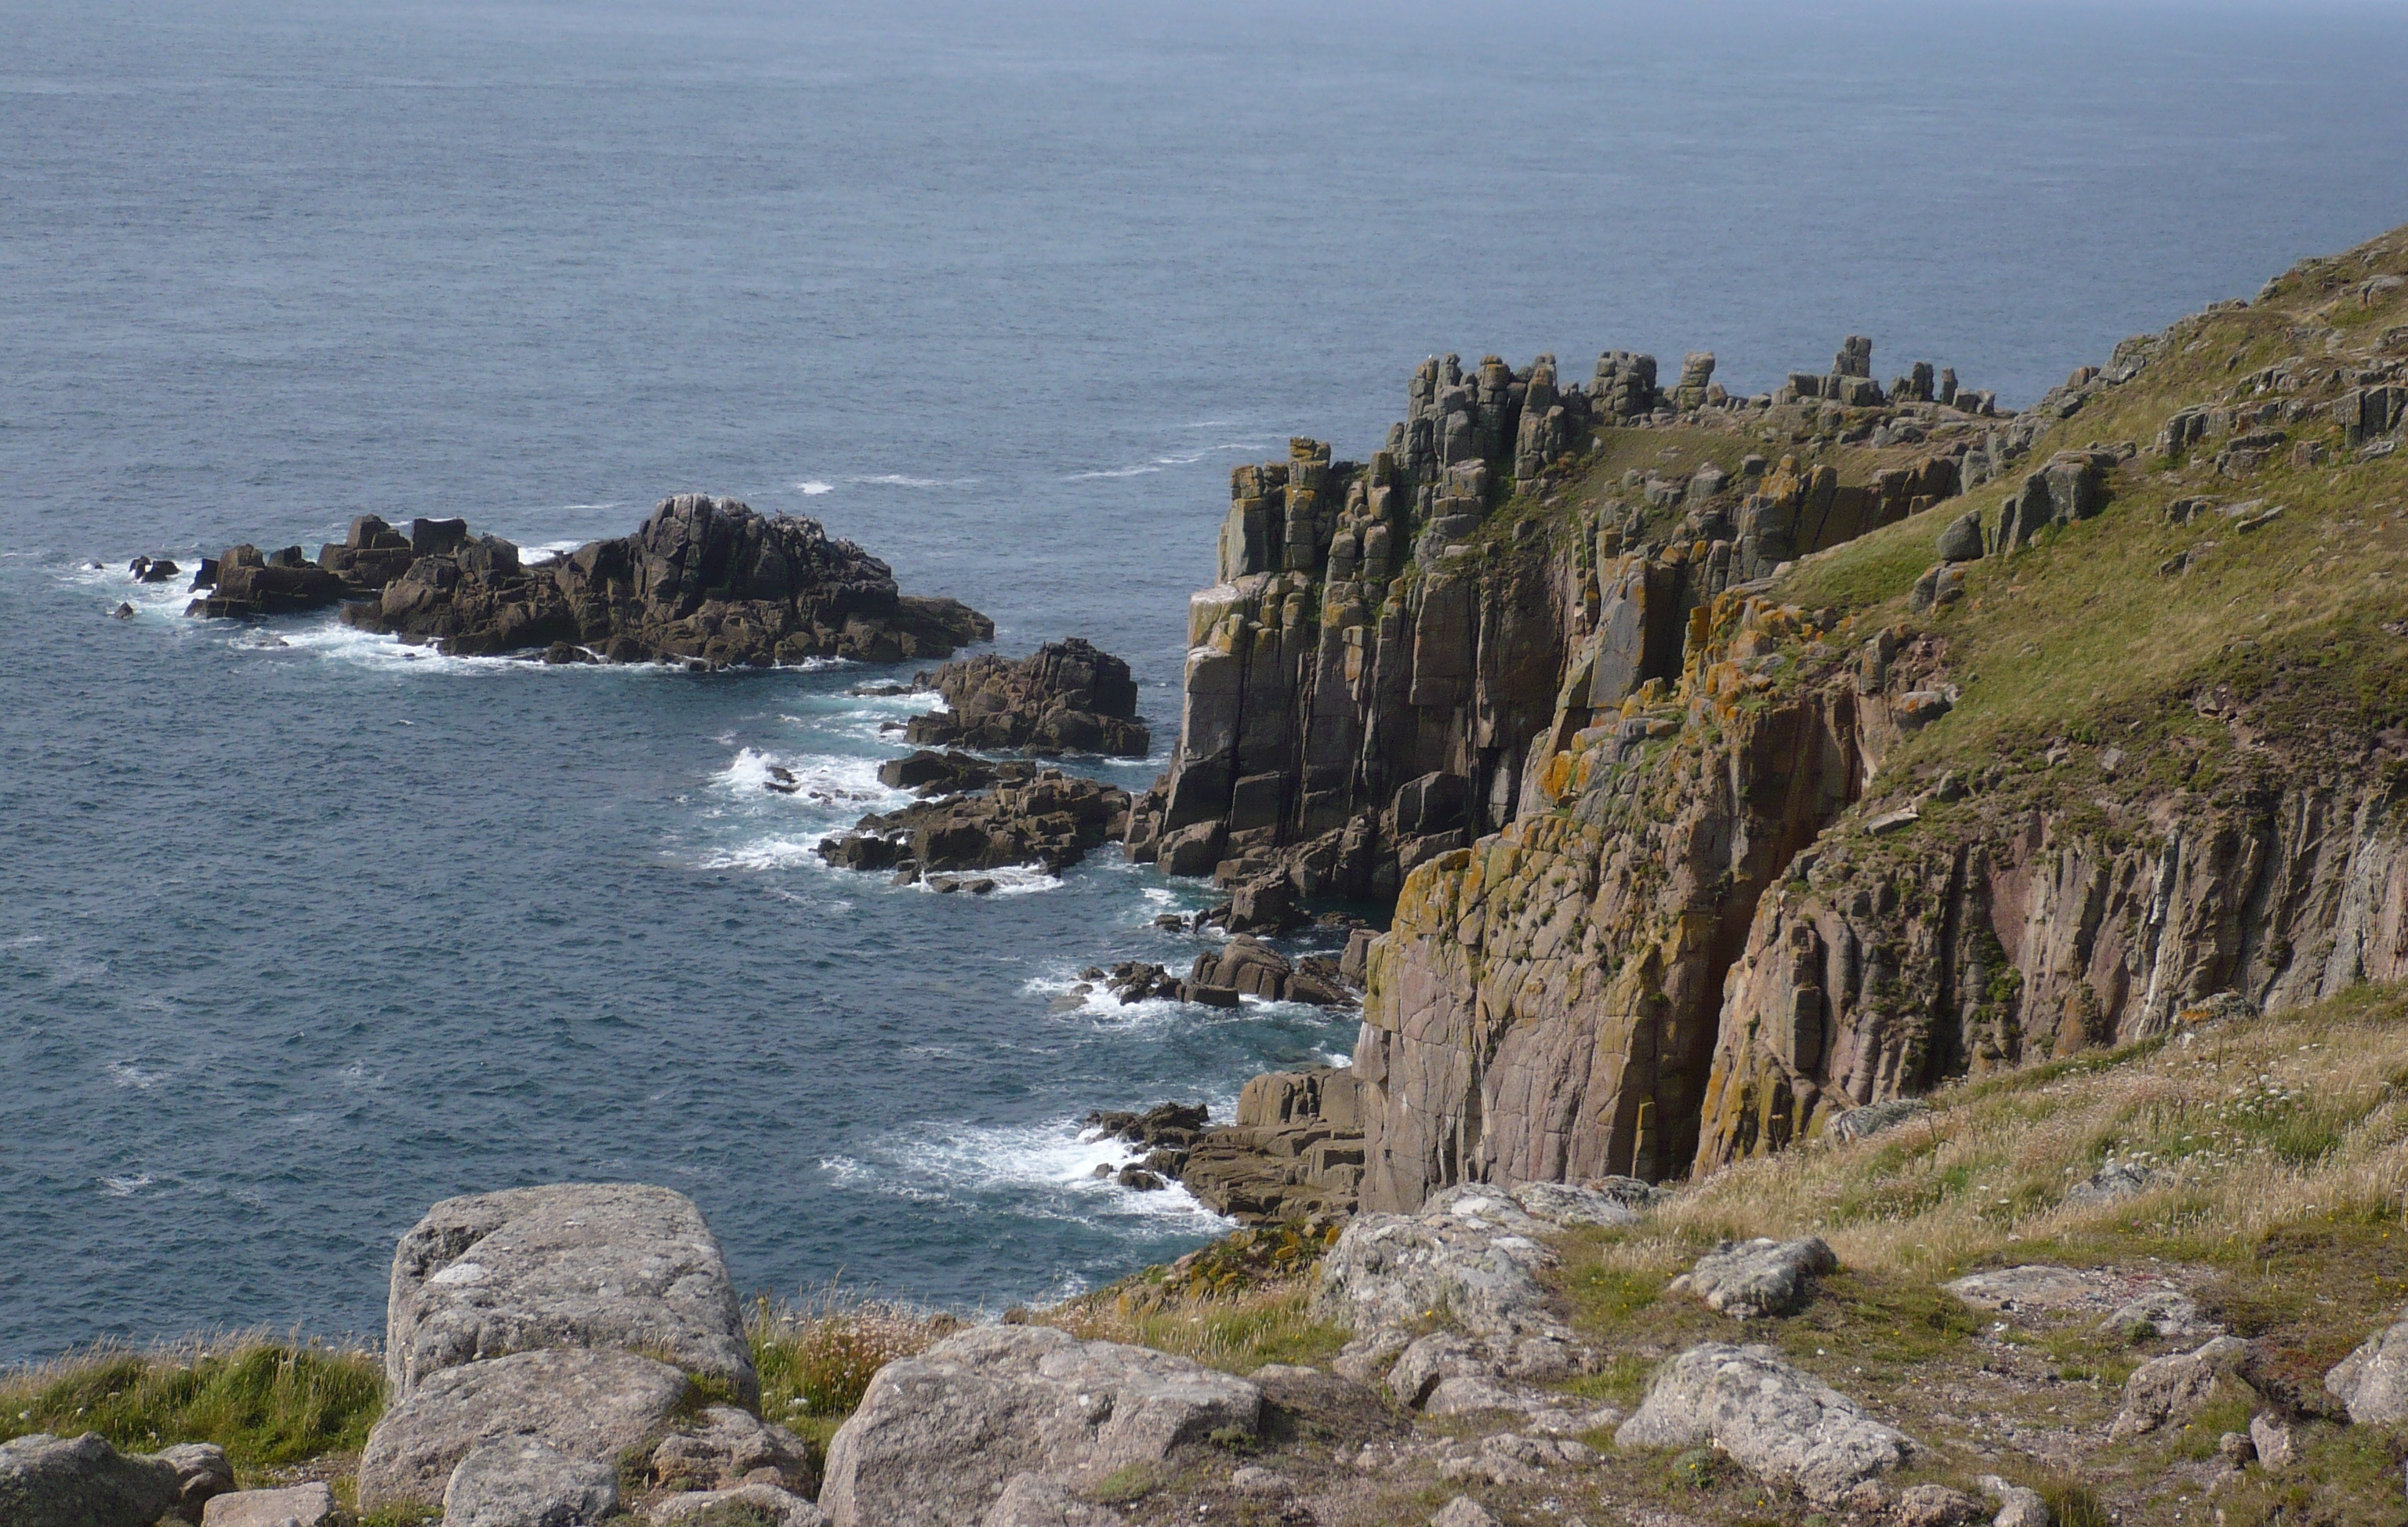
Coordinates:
x,y
939,1435
1780,1423
1070,696
1750,1279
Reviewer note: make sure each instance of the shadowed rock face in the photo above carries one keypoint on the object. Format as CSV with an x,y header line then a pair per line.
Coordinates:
x,y
704,580
1070,696
82,1480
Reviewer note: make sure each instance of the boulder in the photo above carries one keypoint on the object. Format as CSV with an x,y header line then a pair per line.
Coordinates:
x,y
1463,1511
2174,1387
938,1437
581,1264
727,1447
1070,696
301,1505
1037,1499
2372,1382
592,1405
2271,1434
1749,1279
1962,540
520,1482
2112,1183
1779,1422
1569,1204
2018,1505
48,1481
203,1473
1874,1117
1936,1506
745,1505
939,773
1051,819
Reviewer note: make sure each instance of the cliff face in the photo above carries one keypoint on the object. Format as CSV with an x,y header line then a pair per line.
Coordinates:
x,y
1720,797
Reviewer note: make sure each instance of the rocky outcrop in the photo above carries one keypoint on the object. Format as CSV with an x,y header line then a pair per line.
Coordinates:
x,y
2175,1386
939,1437
2371,1383
1255,968
582,1265
1069,697
553,1345
1781,1424
1295,1151
48,1481
1750,1279
1049,818
704,580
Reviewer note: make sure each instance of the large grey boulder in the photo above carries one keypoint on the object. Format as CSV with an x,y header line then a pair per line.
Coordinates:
x,y
520,1482
1962,540
938,1436
296,1505
595,1405
2174,1387
574,1265
1781,1423
1472,1252
1749,1279
746,1504
2372,1382
48,1481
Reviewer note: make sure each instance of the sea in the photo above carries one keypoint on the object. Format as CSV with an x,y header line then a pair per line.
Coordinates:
x,y
302,930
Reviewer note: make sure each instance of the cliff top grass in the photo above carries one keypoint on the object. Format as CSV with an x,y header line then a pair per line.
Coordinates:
x,y
272,1404
2108,631
2277,1150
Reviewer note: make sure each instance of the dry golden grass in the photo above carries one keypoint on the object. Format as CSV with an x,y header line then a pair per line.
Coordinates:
x,y
816,1357
1236,1331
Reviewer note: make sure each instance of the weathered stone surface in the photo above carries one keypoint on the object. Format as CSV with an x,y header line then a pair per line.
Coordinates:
x,y
1469,1251
1748,1279
1257,970
299,1505
1463,1511
2171,1387
1936,1506
48,1481
1874,1117
1294,1152
2372,1382
2018,1507
1038,1500
2271,1434
203,1473
1614,1201
586,1404
580,1264
725,1447
520,1482
2114,1181
1781,1424
938,1436
704,580
1070,696
1049,819
765,1504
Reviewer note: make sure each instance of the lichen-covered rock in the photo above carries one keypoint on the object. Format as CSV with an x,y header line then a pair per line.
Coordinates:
x,y
520,1482
48,1481
2173,1387
703,580
597,1405
1471,1252
2371,1383
938,1436
1748,1279
579,1264
1070,696
1781,1424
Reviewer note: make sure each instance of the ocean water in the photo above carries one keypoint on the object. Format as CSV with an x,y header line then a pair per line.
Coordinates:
x,y
300,930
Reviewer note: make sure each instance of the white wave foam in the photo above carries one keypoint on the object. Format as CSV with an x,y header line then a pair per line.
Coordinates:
x,y
127,1074
813,488
1044,1171
126,1186
898,479
1011,880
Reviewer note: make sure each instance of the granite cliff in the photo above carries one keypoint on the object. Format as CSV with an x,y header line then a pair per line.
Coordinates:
x,y
1734,763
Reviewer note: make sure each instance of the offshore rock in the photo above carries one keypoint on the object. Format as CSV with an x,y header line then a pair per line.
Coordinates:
x,y
599,1264
704,580
1069,697
938,1437
1050,818
1781,1424
1294,1152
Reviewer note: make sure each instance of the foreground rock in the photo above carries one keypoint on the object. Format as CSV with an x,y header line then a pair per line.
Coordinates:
x,y
299,1505
1070,696
938,1437
2371,1383
1051,819
1749,1279
587,1264
520,1482
1781,1424
48,1481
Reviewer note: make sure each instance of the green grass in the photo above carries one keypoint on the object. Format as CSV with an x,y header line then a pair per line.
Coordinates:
x,y
268,1403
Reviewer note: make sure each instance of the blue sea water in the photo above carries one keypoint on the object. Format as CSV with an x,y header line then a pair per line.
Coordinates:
x,y
297,936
